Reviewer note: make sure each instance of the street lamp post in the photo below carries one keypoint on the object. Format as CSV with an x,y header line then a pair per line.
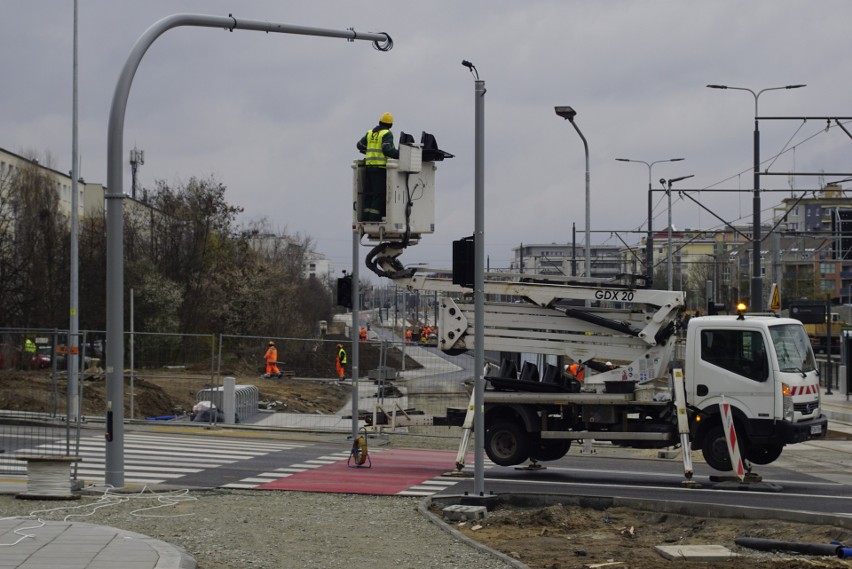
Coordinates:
x,y
756,279
568,113
649,245
668,186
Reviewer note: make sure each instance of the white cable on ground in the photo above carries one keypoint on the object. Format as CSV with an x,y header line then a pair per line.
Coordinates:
x,y
20,531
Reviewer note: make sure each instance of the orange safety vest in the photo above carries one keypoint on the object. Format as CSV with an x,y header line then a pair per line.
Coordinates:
x,y
271,354
577,372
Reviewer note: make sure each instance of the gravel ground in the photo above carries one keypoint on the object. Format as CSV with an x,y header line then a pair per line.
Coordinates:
x,y
225,529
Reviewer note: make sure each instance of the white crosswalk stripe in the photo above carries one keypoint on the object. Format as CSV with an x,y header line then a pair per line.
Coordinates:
x,y
435,485
155,459
284,471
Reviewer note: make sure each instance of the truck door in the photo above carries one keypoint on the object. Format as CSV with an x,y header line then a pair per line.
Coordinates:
x,y
734,363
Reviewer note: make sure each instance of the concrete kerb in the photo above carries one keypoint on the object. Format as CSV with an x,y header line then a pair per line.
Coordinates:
x,y
605,502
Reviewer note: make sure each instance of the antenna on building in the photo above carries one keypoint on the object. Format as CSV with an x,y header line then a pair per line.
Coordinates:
x,y
137,158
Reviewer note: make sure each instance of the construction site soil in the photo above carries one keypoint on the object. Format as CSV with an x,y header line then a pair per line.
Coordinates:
x,y
563,537
310,387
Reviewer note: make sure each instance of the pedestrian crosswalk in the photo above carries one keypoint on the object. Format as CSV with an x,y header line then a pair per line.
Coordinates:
x,y
220,461
285,471
157,459
402,472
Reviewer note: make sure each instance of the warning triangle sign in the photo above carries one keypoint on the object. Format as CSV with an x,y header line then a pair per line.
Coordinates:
x,y
775,298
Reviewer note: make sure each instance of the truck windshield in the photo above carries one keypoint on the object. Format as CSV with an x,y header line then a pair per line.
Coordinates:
x,y
793,348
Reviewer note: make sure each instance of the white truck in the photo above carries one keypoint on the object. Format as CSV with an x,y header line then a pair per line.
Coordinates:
x,y
763,367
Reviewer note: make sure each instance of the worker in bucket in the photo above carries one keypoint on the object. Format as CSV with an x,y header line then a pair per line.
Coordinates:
x,y
340,361
271,357
578,370
377,146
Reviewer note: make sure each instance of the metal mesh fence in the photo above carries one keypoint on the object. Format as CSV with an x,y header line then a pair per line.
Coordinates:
x,y
35,416
178,378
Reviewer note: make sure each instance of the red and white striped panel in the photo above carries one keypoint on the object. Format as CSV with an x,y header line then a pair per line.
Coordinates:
x,y
731,439
804,389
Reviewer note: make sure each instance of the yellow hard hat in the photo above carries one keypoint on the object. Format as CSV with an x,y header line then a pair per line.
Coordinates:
x,y
271,343
386,118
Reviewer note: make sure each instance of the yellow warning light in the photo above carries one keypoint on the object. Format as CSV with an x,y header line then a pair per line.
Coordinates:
x,y
741,307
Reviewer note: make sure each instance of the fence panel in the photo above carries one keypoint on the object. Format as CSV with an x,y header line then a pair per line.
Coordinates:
x,y
396,379
166,371
35,419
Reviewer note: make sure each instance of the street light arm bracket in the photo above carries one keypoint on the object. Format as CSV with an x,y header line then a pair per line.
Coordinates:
x,y
386,45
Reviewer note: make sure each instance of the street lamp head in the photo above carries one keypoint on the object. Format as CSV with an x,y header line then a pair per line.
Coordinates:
x,y
677,159
717,86
567,113
623,160
795,86
673,180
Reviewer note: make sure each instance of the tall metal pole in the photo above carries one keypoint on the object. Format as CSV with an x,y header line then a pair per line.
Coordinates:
x,y
72,399
669,190
568,114
649,241
114,455
354,331
756,277
479,289
669,260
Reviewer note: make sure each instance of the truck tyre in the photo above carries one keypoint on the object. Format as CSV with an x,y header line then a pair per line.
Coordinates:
x,y
507,444
764,454
715,449
550,449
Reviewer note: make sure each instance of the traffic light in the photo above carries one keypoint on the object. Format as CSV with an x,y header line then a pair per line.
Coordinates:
x,y
344,291
713,308
463,261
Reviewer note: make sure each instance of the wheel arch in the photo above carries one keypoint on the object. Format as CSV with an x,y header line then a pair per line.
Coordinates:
x,y
710,417
519,414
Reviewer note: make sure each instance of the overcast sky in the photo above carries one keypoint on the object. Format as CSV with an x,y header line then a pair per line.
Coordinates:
x,y
275,117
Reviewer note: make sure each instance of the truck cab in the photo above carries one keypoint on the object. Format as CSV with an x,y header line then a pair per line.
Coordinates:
x,y
764,367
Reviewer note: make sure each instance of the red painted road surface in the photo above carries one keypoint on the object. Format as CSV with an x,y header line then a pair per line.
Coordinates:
x,y
392,471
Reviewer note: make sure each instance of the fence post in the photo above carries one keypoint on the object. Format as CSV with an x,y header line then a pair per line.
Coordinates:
x,y
229,399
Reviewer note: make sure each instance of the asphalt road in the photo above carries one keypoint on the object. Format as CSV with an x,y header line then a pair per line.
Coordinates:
x,y
815,476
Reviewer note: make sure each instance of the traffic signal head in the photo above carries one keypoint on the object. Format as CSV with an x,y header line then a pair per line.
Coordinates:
x,y
344,291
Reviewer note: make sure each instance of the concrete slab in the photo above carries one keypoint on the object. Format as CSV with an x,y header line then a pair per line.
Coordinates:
x,y
459,512
695,552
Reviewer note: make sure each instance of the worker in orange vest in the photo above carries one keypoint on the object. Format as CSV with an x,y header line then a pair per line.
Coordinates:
x,y
363,334
271,357
408,335
578,370
340,361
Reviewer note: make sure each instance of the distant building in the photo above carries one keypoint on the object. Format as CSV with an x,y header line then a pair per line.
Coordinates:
x,y
90,198
565,259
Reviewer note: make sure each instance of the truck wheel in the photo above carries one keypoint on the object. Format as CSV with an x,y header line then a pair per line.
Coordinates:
x,y
506,444
715,449
545,450
764,454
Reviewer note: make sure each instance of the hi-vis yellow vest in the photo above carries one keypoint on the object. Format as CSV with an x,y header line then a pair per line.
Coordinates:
x,y
375,157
